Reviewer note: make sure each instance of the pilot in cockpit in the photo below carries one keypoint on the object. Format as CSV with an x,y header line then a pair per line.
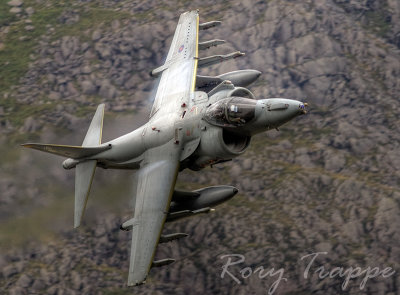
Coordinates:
x,y
231,112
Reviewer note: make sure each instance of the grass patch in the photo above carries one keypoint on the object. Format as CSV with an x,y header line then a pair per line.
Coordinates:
x,y
23,111
36,226
376,23
5,16
89,19
19,44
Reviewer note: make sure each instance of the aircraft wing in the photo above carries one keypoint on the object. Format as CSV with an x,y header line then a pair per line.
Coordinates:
x,y
178,74
159,169
156,182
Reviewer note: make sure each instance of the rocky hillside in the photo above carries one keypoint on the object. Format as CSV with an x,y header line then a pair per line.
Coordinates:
x,y
326,182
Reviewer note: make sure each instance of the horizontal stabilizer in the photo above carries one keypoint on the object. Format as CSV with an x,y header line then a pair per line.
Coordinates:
x,y
83,181
209,44
215,59
162,262
208,25
69,151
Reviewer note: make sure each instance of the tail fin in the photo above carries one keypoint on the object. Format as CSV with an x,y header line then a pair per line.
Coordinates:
x,y
93,135
90,146
84,171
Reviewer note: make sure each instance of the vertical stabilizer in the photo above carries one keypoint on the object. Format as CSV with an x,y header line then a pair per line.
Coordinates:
x,y
93,135
85,170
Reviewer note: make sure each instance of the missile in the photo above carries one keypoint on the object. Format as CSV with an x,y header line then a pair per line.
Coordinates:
x,y
209,44
202,198
162,262
241,78
215,59
208,25
172,216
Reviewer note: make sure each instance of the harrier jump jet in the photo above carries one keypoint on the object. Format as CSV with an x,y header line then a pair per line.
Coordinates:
x,y
196,121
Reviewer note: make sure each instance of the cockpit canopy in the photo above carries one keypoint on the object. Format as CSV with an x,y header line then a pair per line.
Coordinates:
x,y
231,112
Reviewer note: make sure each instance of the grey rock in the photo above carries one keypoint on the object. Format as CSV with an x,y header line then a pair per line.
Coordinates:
x,y
247,164
76,280
131,83
362,145
88,87
69,46
71,89
24,281
334,161
30,10
54,290
107,90
15,3
115,25
86,69
54,95
16,10
96,35
38,285
104,52
302,157
17,291
9,271
29,28
30,125
69,17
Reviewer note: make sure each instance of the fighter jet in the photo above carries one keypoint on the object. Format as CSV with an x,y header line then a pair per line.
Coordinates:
x,y
196,121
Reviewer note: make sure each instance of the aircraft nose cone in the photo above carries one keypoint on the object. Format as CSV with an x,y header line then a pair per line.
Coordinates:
x,y
278,111
303,108
296,107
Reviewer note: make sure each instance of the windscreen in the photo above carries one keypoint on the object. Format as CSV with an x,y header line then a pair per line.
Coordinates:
x,y
233,111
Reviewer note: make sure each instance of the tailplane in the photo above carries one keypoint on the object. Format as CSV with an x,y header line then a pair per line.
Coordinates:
x,y
69,151
84,173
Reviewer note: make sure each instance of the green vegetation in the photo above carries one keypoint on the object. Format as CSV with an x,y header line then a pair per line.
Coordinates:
x,y
5,16
89,19
20,44
37,225
376,23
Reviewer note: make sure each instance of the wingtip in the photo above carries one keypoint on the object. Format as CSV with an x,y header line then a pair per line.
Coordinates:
x,y
26,145
137,283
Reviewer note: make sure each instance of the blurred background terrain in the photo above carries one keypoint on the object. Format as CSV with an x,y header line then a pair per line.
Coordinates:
x,y
328,181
